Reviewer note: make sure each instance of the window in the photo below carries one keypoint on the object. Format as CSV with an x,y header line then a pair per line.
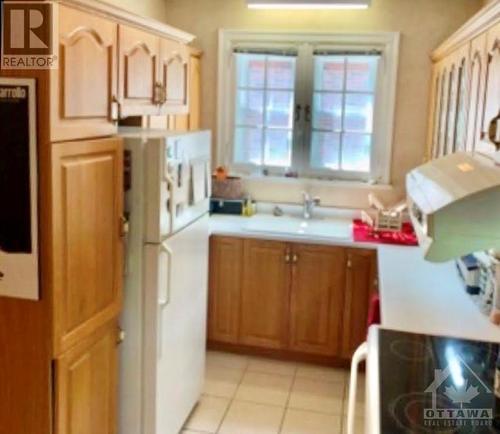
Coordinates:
x,y
316,105
343,105
265,92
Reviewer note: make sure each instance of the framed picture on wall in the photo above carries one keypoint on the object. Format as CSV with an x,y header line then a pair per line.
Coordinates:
x,y
19,270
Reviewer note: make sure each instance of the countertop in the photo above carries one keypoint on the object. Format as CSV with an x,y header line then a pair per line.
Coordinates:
x,y
416,296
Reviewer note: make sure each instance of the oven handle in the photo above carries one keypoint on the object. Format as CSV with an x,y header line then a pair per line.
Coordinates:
x,y
359,356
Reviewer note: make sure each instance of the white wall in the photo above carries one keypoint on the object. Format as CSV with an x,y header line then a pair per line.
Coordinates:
x,y
423,24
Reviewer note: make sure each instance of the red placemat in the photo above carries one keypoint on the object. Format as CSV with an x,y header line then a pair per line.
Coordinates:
x,y
364,233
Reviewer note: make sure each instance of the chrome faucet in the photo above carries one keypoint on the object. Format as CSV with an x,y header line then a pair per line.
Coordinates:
x,y
309,204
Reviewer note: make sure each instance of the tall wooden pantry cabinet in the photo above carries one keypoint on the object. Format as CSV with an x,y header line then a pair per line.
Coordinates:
x,y
60,355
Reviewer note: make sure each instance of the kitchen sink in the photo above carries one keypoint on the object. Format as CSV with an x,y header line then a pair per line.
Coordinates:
x,y
324,227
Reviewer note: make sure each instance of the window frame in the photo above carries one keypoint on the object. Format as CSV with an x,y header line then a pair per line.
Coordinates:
x,y
385,42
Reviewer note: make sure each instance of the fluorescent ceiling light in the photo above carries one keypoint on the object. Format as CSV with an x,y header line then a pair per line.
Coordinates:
x,y
308,4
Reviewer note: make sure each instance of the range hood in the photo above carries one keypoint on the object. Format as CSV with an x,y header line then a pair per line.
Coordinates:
x,y
454,205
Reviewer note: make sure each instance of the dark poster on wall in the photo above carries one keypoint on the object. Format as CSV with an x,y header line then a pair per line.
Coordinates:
x,y
15,183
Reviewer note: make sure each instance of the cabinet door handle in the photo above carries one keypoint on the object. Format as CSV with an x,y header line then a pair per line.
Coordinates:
x,y
493,131
349,263
121,336
124,226
287,258
114,109
295,258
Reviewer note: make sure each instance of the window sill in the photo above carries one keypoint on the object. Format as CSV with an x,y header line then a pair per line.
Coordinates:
x,y
312,182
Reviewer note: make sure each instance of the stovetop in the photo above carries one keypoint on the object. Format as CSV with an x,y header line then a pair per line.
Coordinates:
x,y
432,384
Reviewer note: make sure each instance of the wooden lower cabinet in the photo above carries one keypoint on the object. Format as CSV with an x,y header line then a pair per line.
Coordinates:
x,y
86,385
361,280
264,294
318,275
289,298
226,254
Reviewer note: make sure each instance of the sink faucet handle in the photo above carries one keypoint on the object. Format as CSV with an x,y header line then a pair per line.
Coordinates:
x,y
306,196
317,200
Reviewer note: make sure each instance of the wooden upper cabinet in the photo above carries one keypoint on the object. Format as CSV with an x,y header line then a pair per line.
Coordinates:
x,y
139,52
87,207
318,278
265,294
449,103
226,255
441,115
86,385
435,101
478,64
491,105
457,94
195,90
462,63
192,120
449,141
361,282
83,88
174,76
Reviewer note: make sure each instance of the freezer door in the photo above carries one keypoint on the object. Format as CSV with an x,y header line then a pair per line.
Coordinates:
x,y
176,328
158,191
177,191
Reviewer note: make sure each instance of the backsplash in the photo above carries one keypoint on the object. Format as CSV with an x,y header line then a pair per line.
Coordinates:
x,y
333,194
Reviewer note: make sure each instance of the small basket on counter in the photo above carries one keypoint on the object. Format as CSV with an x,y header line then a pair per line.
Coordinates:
x,y
228,196
230,188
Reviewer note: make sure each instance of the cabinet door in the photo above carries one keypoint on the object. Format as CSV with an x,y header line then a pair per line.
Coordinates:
x,y
86,386
434,114
318,277
478,63
226,256
265,294
451,108
83,88
360,284
138,60
87,206
491,107
195,91
444,91
458,82
173,73
192,120
462,63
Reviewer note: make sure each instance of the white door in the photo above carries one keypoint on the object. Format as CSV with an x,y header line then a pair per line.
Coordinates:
x,y
180,326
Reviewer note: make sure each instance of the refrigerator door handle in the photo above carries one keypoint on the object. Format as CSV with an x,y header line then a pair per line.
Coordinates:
x,y
164,293
164,297
360,355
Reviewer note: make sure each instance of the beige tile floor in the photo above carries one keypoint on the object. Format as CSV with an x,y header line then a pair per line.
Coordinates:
x,y
250,395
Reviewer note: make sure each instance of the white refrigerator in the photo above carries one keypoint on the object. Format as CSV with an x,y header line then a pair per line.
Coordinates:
x,y
167,179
